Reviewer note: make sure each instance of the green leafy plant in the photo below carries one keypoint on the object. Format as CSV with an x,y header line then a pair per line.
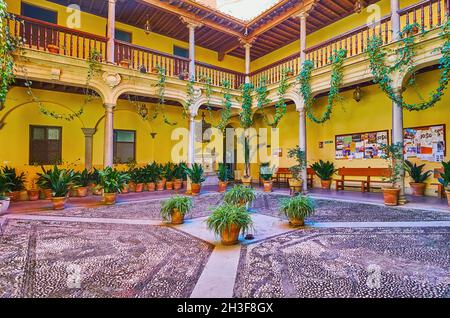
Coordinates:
x,y
444,179
280,106
168,171
324,170
137,175
416,172
226,111
58,180
246,115
393,154
239,195
82,179
266,172
222,173
299,156
17,181
298,207
183,166
112,180
182,204
5,184
94,176
190,98
152,173
195,173
226,215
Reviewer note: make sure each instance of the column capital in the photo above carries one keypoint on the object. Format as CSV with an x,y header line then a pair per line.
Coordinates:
x,y
109,107
247,43
112,1
302,15
89,132
191,23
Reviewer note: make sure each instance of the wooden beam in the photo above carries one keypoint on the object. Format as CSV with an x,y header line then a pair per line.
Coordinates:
x,y
227,48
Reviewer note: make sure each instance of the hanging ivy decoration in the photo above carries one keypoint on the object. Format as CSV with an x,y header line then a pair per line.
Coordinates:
x,y
226,112
304,79
246,115
190,91
208,91
405,63
280,106
261,94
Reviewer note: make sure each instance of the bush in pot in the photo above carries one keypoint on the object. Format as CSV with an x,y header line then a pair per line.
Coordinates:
x,y
444,179
325,171
150,172
33,192
43,183
5,187
299,155
168,174
196,175
59,181
183,166
266,173
178,173
175,209
240,195
94,180
393,154
17,182
81,182
228,221
112,181
297,208
137,176
419,177
222,175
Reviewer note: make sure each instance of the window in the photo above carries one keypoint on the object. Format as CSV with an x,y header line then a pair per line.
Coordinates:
x,y
123,36
124,146
180,51
45,145
39,13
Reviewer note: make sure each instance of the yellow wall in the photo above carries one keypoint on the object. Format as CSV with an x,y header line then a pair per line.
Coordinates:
x,y
97,25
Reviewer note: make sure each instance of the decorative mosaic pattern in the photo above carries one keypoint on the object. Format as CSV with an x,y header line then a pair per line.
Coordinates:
x,y
59,259
348,263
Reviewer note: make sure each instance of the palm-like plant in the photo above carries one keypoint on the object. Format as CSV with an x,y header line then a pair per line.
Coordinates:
x,y
225,216
445,176
195,173
239,195
324,170
17,181
112,180
82,179
58,180
222,173
416,172
168,171
266,172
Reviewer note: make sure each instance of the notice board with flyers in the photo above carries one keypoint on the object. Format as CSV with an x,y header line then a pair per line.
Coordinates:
x,y
427,143
361,145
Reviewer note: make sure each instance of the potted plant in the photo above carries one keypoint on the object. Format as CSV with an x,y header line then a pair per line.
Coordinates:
x,y
17,182
168,174
266,173
297,208
52,48
94,181
393,154
33,192
81,182
5,187
325,171
196,175
289,72
112,182
137,176
60,182
183,167
445,179
240,195
150,176
222,175
44,184
228,221
419,177
178,172
175,209
160,180
125,63
296,182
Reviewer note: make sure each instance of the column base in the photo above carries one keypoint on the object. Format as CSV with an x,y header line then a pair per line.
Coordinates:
x,y
402,200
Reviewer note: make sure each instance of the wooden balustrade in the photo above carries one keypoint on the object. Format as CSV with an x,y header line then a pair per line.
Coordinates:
x,y
218,74
428,14
43,36
272,73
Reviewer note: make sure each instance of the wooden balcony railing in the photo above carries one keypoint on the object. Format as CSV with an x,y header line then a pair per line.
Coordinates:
x,y
428,14
47,37
218,74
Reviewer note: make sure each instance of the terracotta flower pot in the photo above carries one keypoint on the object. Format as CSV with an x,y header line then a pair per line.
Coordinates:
x,y
73,192
448,197
177,184
151,186
267,186
125,63
23,195
223,186
82,192
125,189
296,222
53,49
196,188
169,185
47,194
59,203
131,187
391,196
418,189
160,186
14,195
326,184
33,195
139,187
177,217
110,198
230,236
290,73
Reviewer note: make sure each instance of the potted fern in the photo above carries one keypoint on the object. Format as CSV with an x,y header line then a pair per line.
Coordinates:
x,y
175,209
266,173
112,181
325,171
17,182
239,195
5,187
81,182
196,174
59,181
419,177
228,221
445,179
297,208
222,174
296,182
393,154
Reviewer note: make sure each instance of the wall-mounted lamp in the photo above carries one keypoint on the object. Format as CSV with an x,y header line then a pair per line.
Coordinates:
x,y
147,26
359,5
153,134
357,94
143,111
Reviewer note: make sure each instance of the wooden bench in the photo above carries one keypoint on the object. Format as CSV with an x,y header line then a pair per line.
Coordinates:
x,y
282,176
440,188
365,184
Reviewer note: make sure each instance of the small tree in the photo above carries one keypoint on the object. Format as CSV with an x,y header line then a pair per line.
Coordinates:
x,y
300,157
393,154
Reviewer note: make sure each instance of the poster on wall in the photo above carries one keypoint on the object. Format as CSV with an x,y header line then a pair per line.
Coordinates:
x,y
425,143
361,146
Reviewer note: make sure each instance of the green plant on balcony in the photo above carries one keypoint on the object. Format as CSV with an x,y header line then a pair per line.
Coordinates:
x,y
190,97
246,115
207,81
280,106
405,64
226,111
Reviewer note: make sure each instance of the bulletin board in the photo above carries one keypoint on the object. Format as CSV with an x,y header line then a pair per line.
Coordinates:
x,y
361,145
427,143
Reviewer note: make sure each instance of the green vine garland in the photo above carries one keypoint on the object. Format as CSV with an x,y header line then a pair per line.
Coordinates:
x,y
190,91
405,63
161,85
246,115
280,106
304,79
226,112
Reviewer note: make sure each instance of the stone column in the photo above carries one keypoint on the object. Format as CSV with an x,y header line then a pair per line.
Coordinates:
x,y
88,146
302,144
302,16
191,152
110,50
247,47
398,138
395,20
108,155
192,25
